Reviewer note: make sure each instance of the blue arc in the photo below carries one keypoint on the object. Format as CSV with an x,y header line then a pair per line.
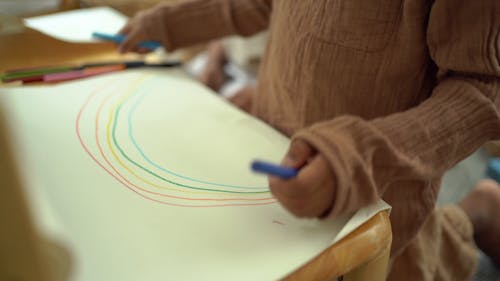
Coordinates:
x,y
131,134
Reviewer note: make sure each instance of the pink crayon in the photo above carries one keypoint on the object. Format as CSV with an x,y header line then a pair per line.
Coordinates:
x,y
77,74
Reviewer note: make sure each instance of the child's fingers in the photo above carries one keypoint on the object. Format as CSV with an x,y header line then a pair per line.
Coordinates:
x,y
309,178
298,154
309,194
131,41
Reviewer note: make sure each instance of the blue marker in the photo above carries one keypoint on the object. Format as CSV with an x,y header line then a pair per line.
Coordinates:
x,y
119,38
274,170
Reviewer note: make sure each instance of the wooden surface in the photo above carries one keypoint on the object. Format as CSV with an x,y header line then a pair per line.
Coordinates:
x,y
32,48
370,242
363,252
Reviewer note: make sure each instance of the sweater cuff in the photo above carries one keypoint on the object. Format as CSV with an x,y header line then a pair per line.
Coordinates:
x,y
355,185
419,144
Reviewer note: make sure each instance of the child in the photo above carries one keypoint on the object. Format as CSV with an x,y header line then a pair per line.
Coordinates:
x,y
380,99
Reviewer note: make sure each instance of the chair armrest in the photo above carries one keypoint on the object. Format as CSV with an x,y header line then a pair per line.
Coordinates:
x,y
367,243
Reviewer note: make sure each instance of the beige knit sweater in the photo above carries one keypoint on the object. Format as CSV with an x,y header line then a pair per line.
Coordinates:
x,y
392,92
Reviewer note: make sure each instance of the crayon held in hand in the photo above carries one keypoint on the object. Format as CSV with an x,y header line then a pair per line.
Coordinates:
x,y
274,170
119,38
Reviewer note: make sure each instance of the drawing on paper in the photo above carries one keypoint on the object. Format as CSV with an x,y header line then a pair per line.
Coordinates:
x,y
106,131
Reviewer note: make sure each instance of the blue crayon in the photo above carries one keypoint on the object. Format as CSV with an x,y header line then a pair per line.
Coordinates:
x,y
119,38
274,170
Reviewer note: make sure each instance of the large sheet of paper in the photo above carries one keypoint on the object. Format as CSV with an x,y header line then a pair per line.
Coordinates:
x,y
145,176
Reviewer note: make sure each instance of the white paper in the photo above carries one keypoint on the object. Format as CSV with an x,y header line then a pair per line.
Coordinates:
x,y
101,150
77,26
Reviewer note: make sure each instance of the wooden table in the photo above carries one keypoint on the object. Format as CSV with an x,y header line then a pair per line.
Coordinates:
x,y
362,255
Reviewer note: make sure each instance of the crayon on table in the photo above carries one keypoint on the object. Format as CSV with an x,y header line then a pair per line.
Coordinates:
x,y
77,74
19,75
37,74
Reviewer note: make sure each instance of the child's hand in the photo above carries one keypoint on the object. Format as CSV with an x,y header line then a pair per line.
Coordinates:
x,y
311,192
137,31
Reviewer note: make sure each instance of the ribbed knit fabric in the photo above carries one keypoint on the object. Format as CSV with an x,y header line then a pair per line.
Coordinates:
x,y
392,92
443,250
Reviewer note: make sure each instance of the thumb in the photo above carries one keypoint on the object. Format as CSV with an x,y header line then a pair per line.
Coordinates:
x,y
298,154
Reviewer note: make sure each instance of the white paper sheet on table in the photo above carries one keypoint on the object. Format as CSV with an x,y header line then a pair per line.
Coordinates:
x,y
103,159
77,26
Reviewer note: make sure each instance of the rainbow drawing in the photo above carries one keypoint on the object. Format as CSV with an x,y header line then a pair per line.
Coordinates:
x,y
105,130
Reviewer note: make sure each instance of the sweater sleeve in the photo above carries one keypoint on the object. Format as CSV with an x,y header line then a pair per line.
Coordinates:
x,y
421,143
199,21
